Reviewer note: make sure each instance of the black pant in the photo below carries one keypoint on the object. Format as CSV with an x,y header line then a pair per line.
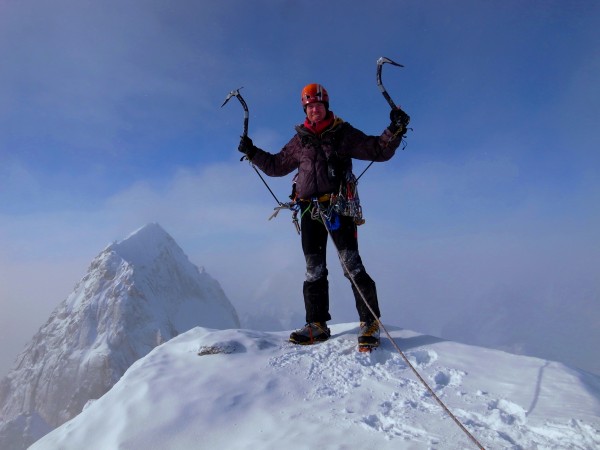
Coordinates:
x,y
316,287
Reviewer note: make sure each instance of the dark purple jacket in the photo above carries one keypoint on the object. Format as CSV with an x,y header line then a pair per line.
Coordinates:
x,y
312,154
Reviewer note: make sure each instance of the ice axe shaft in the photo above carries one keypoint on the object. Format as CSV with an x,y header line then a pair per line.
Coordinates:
x,y
380,62
236,93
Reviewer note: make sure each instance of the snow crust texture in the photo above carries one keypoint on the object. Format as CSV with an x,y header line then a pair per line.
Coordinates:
x,y
137,294
240,389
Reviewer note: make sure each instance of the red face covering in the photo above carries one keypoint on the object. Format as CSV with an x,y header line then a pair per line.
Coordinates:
x,y
319,127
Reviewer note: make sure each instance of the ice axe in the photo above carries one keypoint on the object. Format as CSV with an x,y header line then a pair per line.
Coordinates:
x,y
380,62
236,93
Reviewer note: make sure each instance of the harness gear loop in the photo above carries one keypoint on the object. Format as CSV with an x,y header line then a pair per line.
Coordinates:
x,y
347,201
292,206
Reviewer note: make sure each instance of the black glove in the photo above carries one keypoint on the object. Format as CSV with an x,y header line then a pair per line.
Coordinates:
x,y
400,121
247,147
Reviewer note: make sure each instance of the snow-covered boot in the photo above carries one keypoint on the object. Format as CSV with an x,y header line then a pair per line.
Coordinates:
x,y
311,333
368,336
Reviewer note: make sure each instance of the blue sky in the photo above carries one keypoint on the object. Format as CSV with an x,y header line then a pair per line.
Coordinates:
x,y
110,118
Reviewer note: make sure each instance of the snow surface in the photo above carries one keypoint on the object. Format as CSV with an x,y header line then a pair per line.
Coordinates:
x,y
137,294
242,389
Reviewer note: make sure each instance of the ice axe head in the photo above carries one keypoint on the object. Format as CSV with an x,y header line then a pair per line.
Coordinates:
x,y
235,93
381,61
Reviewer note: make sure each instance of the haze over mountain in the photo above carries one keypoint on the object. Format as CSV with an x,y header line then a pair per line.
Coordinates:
x,y
138,293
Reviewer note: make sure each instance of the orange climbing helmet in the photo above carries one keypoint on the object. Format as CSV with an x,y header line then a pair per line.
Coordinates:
x,y
312,93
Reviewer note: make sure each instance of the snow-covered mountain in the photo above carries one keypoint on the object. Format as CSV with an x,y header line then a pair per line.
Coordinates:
x,y
137,294
243,389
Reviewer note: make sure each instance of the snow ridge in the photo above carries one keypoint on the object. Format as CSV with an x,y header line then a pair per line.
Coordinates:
x,y
137,294
250,389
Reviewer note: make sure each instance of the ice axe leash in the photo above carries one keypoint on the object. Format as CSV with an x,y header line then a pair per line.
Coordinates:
x,y
236,93
380,62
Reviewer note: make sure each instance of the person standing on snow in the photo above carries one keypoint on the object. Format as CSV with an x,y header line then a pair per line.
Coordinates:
x,y
322,150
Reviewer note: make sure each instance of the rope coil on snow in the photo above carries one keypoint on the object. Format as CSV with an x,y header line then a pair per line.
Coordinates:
x,y
408,363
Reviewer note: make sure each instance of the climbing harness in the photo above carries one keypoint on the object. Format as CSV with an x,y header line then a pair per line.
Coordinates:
x,y
345,202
